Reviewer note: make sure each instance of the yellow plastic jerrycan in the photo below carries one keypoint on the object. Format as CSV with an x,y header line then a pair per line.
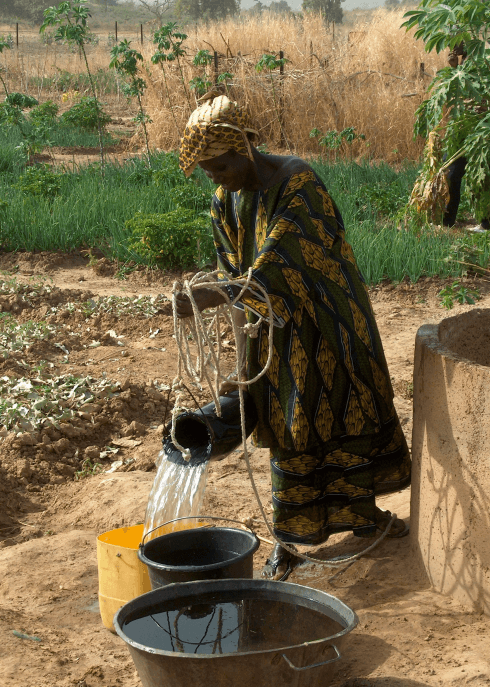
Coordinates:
x,y
122,576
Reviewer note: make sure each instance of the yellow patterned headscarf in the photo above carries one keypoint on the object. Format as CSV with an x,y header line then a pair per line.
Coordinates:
x,y
216,126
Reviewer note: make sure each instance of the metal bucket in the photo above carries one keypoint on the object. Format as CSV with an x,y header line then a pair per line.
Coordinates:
x,y
245,633
201,553
208,436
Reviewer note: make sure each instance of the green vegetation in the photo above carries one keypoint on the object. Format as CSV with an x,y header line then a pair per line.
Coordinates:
x,y
154,215
126,61
460,294
172,239
70,20
455,116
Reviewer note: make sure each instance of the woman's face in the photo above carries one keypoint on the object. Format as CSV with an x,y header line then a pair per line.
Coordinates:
x,y
231,171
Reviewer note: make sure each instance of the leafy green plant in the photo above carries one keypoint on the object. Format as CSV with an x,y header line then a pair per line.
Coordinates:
x,y
124,60
45,113
385,200
70,20
472,252
268,63
168,173
172,239
87,114
191,197
88,469
169,49
201,84
460,294
334,140
456,108
12,109
4,45
40,180
169,42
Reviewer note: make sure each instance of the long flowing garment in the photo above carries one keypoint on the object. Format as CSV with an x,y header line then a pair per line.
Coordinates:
x,y
326,403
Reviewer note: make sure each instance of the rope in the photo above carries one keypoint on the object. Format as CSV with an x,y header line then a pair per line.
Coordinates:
x,y
204,331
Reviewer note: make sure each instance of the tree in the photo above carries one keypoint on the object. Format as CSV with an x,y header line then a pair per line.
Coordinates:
x,y
455,116
70,20
31,10
330,9
392,4
279,7
158,8
208,9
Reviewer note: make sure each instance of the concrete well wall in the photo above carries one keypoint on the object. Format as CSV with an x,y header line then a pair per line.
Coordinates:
x,y
450,509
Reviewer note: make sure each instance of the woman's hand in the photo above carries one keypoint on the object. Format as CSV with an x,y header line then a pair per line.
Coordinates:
x,y
204,298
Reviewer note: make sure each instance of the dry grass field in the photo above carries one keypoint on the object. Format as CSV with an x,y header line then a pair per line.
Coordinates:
x,y
365,75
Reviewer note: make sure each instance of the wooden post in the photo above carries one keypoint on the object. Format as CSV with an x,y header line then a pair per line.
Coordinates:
x,y
422,70
17,35
311,54
115,26
281,105
141,33
333,30
216,68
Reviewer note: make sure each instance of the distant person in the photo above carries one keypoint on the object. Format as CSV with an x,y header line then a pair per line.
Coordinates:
x,y
325,405
455,171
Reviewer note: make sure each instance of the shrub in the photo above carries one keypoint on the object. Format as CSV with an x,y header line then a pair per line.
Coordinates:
x,y
384,200
44,114
166,171
191,197
86,114
40,180
172,239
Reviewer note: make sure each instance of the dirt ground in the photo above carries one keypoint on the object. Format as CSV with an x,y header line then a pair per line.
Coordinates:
x,y
408,636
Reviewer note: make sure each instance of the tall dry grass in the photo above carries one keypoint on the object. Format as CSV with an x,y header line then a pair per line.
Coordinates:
x,y
371,81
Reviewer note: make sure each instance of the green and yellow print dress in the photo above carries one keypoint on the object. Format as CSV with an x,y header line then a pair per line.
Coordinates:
x,y
326,403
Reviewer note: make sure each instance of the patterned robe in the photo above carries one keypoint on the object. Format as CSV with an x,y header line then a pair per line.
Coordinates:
x,y
326,403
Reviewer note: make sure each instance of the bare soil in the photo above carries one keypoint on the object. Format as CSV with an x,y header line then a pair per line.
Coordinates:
x,y
408,635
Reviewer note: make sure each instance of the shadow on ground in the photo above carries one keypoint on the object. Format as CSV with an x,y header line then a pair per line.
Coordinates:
x,y
382,682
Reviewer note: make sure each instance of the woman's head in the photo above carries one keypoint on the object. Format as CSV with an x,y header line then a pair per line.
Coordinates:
x,y
217,129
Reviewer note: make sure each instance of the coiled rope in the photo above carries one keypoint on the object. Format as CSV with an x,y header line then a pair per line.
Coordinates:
x,y
205,331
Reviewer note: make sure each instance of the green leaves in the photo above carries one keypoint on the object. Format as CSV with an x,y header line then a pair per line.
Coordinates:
x,y
4,44
87,114
124,59
70,18
270,62
171,239
460,92
460,294
167,39
445,25
202,58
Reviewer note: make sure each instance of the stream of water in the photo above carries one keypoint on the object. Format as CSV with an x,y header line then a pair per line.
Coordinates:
x,y
177,491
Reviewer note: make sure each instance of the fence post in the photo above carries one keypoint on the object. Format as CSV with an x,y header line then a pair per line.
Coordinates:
x,y
17,35
281,104
115,26
216,68
141,33
422,70
333,31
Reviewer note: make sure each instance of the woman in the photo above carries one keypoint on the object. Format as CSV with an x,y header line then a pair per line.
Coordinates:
x,y
326,404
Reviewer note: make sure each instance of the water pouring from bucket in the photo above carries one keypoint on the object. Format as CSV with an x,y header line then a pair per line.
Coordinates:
x,y
179,485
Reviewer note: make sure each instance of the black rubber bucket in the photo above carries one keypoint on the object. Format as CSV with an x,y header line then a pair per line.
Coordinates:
x,y
201,553
245,633
208,435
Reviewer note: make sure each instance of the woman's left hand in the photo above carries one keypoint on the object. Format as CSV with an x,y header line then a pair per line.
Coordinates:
x,y
204,298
